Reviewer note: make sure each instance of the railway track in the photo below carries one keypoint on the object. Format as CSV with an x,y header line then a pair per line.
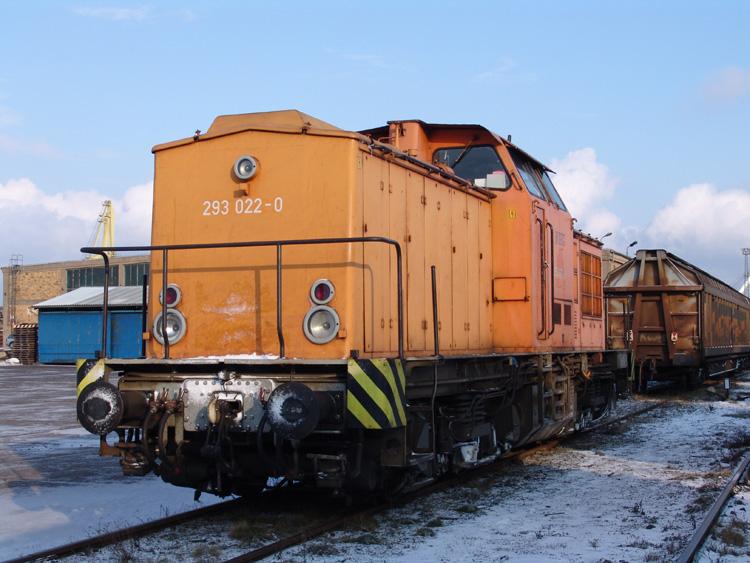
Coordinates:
x,y
123,534
316,529
701,532
340,521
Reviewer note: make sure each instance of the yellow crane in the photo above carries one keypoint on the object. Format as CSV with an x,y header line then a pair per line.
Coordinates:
x,y
104,231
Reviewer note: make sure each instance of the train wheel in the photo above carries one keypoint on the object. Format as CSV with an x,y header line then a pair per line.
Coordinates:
x,y
641,384
693,379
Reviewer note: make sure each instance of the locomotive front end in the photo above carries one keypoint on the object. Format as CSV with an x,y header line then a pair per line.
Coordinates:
x,y
254,316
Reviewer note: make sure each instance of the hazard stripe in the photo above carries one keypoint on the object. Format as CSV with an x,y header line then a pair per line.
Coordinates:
x,y
359,412
385,369
83,366
89,371
401,377
376,413
381,382
373,391
376,387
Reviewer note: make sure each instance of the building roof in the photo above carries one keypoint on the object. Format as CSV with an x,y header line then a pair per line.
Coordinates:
x,y
91,298
83,263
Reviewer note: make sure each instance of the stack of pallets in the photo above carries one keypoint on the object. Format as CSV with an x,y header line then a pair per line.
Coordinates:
x,y
24,343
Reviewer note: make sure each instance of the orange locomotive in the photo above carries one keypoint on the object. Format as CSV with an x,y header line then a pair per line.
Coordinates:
x,y
355,310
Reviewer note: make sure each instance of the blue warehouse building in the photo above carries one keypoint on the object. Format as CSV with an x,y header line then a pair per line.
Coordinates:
x,y
70,325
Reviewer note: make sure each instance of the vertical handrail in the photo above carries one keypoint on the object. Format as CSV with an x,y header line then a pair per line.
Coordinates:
x,y
552,276
144,313
164,263
279,329
542,278
105,306
399,286
436,337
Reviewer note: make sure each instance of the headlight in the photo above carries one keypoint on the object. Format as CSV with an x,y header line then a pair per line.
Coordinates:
x,y
245,168
321,324
321,292
175,326
174,295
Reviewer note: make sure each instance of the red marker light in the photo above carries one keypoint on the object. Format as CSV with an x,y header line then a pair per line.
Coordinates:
x,y
321,292
172,296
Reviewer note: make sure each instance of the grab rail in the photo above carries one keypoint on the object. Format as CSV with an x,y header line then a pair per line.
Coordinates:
x,y
165,248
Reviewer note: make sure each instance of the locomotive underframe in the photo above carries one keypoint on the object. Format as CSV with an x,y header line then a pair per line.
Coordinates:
x,y
479,407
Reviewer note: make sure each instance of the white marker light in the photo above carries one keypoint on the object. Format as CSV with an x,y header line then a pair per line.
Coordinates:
x,y
245,168
176,326
321,324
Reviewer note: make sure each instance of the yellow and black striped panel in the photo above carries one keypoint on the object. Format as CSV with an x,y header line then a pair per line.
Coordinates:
x,y
376,394
87,372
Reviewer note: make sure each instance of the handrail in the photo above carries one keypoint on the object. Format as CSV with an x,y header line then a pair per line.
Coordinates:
x,y
165,248
542,277
552,276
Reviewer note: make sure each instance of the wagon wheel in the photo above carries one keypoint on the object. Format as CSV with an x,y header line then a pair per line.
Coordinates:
x,y
641,384
693,379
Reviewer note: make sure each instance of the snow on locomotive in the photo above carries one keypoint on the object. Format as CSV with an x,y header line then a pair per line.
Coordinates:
x,y
354,310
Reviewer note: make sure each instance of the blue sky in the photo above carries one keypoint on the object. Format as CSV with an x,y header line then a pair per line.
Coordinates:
x,y
643,106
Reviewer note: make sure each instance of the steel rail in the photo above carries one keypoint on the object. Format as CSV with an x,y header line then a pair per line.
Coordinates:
x,y
696,541
138,530
315,530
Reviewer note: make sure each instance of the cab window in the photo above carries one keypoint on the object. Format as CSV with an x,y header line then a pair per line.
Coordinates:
x,y
530,178
470,163
547,181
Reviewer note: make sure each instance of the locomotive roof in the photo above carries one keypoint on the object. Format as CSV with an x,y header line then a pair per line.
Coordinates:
x,y
295,121
382,131
286,121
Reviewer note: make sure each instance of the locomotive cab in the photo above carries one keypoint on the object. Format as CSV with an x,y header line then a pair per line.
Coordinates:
x,y
543,276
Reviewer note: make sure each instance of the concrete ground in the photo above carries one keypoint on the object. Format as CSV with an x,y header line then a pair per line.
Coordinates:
x,y
38,409
54,487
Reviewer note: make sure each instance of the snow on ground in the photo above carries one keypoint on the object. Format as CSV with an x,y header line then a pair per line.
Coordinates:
x,y
54,488
729,541
730,538
631,493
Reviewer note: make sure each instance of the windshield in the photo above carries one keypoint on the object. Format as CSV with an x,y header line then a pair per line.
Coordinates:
x,y
536,179
552,191
470,163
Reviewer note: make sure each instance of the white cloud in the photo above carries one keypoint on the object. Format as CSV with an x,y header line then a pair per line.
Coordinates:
x,y
727,85
48,227
587,186
115,14
705,225
133,215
